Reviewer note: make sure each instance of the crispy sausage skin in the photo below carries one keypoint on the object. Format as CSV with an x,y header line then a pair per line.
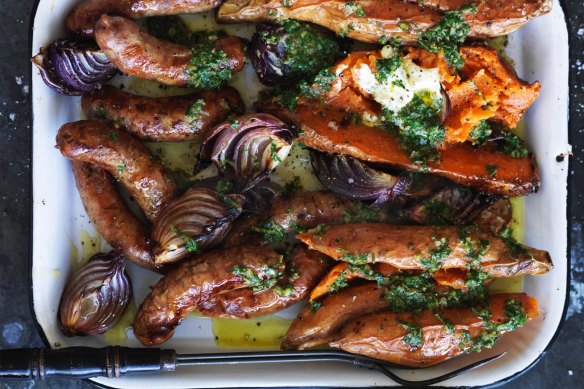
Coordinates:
x,y
307,268
309,209
110,215
162,119
405,247
191,283
130,162
381,335
82,18
315,327
139,54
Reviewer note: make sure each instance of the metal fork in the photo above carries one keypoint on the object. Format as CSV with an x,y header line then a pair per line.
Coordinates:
x,y
114,361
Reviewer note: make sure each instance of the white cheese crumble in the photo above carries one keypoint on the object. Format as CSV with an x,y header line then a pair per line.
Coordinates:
x,y
401,85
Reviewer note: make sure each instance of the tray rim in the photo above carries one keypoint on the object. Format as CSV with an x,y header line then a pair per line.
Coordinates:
x,y
44,339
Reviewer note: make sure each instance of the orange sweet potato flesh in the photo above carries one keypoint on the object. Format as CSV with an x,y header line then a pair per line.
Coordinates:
x,y
461,163
381,336
404,246
386,17
488,88
324,285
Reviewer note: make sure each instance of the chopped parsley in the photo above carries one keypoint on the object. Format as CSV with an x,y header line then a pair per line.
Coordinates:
x,y
194,113
407,292
271,275
113,136
512,244
481,133
352,259
512,145
100,113
274,151
447,36
122,167
418,127
386,66
224,186
436,256
315,305
339,283
320,85
271,231
414,338
209,67
191,245
352,8
491,170
492,331
284,291
299,50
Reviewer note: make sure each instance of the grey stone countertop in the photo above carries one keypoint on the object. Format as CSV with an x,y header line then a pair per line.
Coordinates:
x,y
562,366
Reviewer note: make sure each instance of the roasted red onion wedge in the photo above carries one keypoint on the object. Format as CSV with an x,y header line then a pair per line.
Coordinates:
x,y
96,296
247,149
196,221
72,68
352,179
453,204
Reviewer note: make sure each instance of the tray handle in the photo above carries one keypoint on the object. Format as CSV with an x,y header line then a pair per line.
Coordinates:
x,y
84,362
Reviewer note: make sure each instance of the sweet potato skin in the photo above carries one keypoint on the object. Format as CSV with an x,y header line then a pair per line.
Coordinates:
x,y
315,327
403,247
383,17
461,163
381,336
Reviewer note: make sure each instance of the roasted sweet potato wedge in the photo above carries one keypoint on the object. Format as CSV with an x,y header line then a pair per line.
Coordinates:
x,y
426,248
487,88
425,339
313,327
326,284
377,18
461,163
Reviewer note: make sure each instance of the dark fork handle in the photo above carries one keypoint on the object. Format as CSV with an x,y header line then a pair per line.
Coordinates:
x,y
84,362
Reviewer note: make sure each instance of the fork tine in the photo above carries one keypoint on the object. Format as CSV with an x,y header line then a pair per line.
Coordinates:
x,y
402,381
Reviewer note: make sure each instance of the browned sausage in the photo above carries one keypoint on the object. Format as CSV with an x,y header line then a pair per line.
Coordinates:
x,y
410,248
82,19
139,54
243,232
313,327
309,209
186,287
382,335
130,162
110,215
162,119
307,267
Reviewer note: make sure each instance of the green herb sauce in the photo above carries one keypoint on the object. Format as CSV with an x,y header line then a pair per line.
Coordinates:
x,y
191,245
271,275
209,67
307,49
414,338
418,127
339,283
447,36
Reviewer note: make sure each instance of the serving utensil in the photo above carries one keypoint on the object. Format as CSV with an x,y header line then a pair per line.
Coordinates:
x,y
114,362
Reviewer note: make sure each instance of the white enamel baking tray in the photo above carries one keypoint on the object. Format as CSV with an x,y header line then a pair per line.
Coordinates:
x,y
539,51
